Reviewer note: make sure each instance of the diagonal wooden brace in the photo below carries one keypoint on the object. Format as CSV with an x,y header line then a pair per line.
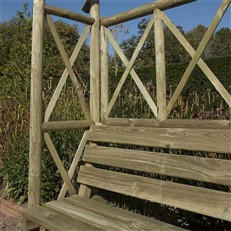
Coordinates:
x,y
74,164
130,64
59,164
207,71
198,53
134,75
63,79
68,66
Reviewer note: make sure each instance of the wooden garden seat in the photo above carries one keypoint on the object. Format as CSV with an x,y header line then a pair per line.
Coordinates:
x,y
149,174
77,213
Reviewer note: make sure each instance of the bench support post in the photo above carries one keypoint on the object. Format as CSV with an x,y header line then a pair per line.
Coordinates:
x,y
36,105
95,64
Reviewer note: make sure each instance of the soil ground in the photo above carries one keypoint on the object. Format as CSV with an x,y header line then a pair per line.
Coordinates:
x,y
10,215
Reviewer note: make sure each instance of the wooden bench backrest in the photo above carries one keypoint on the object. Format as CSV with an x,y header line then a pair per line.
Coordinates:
x,y
205,201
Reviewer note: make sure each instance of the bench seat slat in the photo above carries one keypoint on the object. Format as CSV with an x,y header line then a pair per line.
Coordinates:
x,y
208,140
200,200
106,217
55,221
196,168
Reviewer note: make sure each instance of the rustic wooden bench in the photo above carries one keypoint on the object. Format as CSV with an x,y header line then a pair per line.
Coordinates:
x,y
144,173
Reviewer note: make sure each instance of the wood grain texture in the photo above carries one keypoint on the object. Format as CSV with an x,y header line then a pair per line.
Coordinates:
x,y
95,65
55,221
169,123
68,14
210,140
194,199
65,74
142,11
221,11
106,217
160,66
36,104
104,73
66,125
196,168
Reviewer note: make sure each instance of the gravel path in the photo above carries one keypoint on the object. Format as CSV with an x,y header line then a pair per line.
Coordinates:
x,y
10,215
10,223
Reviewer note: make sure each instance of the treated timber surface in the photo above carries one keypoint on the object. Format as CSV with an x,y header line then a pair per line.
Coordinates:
x,y
169,123
194,199
68,14
196,168
209,140
142,11
106,217
35,154
55,221
66,125
77,213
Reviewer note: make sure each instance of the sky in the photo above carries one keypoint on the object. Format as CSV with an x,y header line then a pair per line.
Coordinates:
x,y
188,16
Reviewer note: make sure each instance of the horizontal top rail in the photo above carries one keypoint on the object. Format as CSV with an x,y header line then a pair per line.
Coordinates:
x,y
142,11
68,14
66,125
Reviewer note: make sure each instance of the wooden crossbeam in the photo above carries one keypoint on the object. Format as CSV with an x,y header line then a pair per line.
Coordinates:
x,y
66,125
207,71
198,53
142,11
74,164
59,164
63,79
68,66
130,65
68,14
134,75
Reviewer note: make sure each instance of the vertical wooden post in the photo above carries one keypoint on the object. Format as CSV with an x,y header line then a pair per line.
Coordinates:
x,y
104,73
160,67
36,104
95,63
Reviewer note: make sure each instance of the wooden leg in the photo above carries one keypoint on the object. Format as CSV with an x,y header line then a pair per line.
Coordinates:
x,y
30,226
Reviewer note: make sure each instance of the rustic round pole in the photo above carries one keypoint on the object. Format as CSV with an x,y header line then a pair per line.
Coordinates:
x,y
36,104
104,73
160,67
95,63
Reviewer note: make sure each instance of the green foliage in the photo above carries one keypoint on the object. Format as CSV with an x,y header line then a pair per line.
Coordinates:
x,y
218,46
199,98
15,50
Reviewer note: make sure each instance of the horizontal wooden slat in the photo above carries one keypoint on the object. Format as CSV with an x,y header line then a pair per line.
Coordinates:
x,y
66,125
200,200
68,14
210,140
169,123
142,11
55,221
196,168
106,217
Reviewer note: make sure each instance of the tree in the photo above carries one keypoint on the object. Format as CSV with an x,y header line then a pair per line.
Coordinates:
x,y
174,51
220,45
15,50
195,36
119,32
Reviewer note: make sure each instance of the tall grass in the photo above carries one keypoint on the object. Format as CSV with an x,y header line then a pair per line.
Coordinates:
x,y
14,145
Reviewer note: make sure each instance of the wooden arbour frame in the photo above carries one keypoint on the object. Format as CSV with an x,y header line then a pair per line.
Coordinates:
x,y
100,106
